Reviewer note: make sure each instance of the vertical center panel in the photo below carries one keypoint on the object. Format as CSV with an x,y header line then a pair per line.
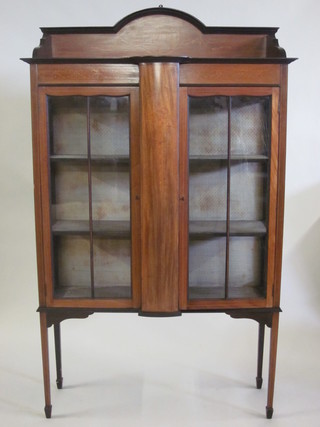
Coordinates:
x,y
159,84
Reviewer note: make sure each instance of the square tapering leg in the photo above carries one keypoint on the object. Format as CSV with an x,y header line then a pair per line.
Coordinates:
x,y
259,379
57,342
45,363
272,363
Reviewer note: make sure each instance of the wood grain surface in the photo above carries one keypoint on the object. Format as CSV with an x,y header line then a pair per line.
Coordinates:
x,y
159,186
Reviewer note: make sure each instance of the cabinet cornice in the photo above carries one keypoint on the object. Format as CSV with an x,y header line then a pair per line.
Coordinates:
x,y
158,33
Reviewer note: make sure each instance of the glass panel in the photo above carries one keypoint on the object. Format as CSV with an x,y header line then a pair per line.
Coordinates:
x,y
208,126
248,195
72,267
246,267
69,196
90,192
250,148
208,174
110,180
246,126
111,216
208,191
67,125
250,125
109,126
69,192
208,138
112,268
207,268
110,192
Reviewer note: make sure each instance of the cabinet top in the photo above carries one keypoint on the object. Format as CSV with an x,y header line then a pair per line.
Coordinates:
x,y
159,34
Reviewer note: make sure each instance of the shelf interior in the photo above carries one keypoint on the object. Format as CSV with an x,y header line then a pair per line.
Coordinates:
x,y
106,159
204,228
195,158
114,229
197,229
218,292
109,292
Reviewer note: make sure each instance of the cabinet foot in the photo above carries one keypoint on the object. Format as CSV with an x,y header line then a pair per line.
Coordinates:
x,y
269,412
259,382
47,411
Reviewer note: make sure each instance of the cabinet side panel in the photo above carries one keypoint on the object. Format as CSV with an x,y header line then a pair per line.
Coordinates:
x,y
281,180
45,194
159,186
37,183
273,194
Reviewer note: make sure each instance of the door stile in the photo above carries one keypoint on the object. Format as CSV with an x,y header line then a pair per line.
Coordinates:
x,y
135,197
226,284
183,199
90,198
273,195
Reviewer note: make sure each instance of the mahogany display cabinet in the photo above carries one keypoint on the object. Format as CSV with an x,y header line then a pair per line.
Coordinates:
x,y
159,168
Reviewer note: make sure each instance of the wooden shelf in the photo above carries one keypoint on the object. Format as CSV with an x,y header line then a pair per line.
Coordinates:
x,y
110,292
111,229
106,159
205,229
224,157
218,292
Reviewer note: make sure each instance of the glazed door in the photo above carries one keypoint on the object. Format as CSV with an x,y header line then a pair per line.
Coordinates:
x,y
91,215
228,177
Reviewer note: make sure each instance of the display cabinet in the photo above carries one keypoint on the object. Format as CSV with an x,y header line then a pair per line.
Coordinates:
x,y
159,166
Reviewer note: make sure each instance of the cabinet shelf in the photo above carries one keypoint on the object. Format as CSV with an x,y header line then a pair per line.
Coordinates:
x,y
217,292
106,159
111,229
108,292
194,159
204,229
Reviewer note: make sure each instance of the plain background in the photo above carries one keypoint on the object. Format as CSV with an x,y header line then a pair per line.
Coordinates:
x,y
197,370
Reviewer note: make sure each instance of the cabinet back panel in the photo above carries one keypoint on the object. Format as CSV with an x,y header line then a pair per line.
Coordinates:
x,y
70,196
72,263
110,193
208,192
109,125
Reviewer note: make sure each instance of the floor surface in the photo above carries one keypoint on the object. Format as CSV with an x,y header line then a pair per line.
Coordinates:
x,y
124,370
